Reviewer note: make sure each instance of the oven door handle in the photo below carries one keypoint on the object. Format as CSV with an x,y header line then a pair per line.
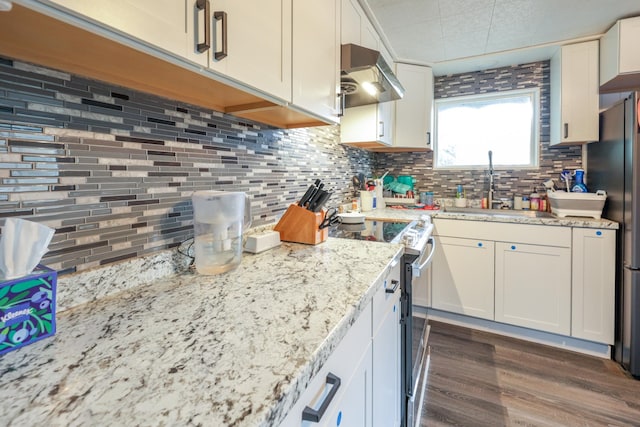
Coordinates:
x,y
417,269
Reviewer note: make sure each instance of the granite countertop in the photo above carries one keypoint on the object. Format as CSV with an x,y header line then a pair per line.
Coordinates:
x,y
234,349
392,214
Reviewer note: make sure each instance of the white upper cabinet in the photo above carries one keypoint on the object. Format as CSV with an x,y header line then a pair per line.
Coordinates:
x,y
575,94
255,49
355,26
414,112
316,57
367,126
619,58
167,24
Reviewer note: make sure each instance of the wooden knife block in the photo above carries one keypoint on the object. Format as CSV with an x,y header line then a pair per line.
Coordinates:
x,y
302,226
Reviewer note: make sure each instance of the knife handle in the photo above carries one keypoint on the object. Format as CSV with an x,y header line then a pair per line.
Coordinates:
x,y
321,201
307,195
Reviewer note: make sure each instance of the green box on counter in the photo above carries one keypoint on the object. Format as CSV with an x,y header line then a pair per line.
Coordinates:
x,y
27,308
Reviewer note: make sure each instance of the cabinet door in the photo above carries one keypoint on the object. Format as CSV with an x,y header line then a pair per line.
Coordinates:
x,y
462,277
593,285
167,24
414,111
533,286
316,57
354,406
575,94
258,44
386,368
385,122
350,22
367,124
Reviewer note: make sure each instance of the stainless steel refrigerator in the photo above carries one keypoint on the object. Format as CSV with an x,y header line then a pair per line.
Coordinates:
x,y
613,164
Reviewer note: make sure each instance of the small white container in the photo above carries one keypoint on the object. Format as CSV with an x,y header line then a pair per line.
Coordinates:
x,y
517,203
460,202
366,201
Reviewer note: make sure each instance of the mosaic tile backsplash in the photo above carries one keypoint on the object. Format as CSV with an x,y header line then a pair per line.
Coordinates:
x,y
113,170
476,182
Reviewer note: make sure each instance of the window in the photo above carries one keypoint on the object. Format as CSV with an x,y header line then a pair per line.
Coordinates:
x,y
506,123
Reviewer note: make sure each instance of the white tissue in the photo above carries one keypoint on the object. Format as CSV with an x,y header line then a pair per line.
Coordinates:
x,y
22,246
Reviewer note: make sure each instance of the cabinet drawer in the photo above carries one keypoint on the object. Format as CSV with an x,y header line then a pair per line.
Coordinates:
x,y
547,235
382,299
343,363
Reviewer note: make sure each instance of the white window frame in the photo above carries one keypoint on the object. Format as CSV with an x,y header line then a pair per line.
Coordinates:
x,y
535,128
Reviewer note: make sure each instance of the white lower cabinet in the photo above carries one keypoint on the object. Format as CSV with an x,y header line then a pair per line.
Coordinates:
x,y
351,364
386,352
548,278
462,275
593,285
541,300
367,364
353,408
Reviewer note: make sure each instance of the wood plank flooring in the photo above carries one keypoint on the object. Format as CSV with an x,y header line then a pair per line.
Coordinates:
x,y
481,379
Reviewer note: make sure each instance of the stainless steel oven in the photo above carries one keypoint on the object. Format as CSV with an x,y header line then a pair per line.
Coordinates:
x,y
417,261
419,250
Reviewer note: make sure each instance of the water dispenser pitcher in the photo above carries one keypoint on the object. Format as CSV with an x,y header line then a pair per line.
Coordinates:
x,y
218,220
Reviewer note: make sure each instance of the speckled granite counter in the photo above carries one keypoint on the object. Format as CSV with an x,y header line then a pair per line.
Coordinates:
x,y
235,349
411,214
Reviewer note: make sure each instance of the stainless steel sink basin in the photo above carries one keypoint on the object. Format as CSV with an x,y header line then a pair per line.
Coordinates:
x,y
500,212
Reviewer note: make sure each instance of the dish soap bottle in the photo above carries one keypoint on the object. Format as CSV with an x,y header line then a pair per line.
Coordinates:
x,y
579,186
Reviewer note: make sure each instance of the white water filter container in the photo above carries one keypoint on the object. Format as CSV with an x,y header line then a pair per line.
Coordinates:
x,y
219,218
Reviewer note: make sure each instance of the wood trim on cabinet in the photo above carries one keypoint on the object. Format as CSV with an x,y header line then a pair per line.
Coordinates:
x,y
29,36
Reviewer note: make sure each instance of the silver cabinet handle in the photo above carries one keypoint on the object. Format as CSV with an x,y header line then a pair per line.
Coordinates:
x,y
222,17
428,139
203,47
310,414
566,130
381,129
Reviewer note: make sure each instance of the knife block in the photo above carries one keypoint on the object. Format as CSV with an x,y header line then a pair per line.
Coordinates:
x,y
300,225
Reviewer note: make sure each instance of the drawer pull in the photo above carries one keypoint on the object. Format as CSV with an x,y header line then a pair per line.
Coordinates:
x,y
479,244
598,233
513,247
393,290
203,47
310,414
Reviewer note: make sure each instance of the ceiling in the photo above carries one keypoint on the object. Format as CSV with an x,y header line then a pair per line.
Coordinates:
x,y
456,36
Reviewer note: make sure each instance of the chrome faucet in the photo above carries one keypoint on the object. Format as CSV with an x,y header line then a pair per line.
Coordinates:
x,y
492,188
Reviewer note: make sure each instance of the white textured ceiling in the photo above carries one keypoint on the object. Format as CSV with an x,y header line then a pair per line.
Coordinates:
x,y
465,35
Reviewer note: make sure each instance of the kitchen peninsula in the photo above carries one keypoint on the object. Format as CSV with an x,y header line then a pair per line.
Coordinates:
x,y
235,349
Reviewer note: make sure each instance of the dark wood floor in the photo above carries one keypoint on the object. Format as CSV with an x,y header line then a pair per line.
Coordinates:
x,y
480,379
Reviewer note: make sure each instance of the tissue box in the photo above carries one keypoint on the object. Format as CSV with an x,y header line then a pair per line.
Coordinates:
x,y
27,309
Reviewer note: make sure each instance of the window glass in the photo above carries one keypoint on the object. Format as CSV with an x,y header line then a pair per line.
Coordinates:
x,y
506,123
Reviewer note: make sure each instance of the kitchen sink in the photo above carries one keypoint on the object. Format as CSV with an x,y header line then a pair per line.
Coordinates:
x,y
500,212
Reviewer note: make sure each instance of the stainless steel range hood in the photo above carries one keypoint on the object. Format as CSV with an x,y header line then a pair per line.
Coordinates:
x,y
366,78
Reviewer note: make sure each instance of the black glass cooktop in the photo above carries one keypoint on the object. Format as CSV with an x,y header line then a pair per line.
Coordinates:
x,y
377,231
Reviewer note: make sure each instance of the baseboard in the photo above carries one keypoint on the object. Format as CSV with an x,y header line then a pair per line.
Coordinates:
x,y
602,351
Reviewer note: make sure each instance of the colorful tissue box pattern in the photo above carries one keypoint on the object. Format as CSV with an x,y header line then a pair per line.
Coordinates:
x,y
27,309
